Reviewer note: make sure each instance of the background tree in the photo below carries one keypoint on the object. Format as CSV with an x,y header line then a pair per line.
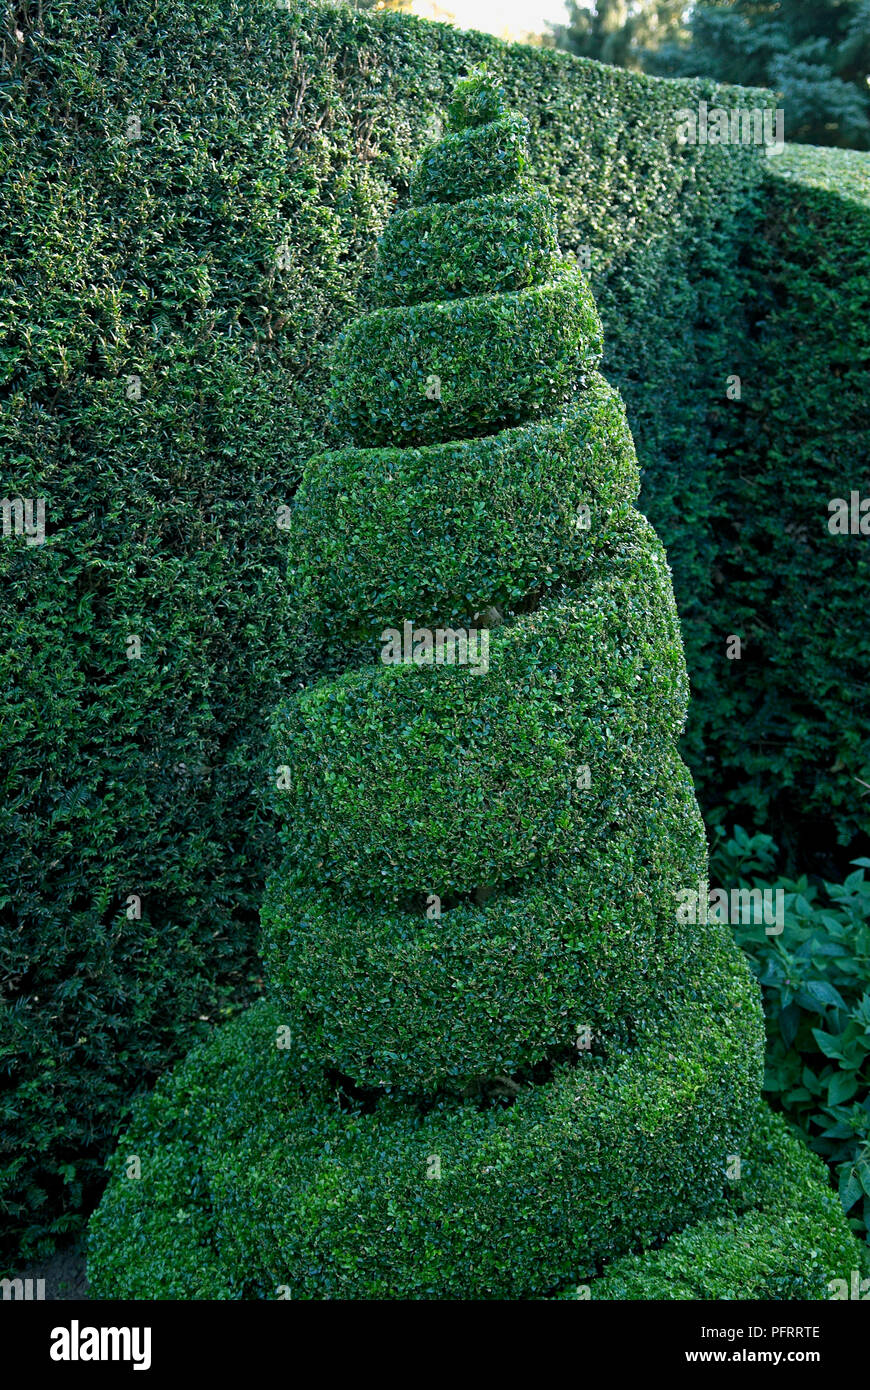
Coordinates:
x,y
814,53
622,32
403,6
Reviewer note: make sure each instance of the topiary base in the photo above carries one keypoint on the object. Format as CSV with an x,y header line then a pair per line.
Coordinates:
x,y
253,1187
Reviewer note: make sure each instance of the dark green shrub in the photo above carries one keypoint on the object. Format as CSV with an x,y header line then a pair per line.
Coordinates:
x,y
444,251
214,256
477,100
492,361
815,981
522,487
407,1000
529,1197
782,1239
472,162
447,1122
795,441
151,258
470,776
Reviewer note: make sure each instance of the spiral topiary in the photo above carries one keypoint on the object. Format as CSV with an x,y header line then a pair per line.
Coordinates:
x,y
493,1062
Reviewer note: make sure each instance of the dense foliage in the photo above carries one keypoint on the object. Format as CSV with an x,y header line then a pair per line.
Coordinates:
x,y
503,1070
626,33
815,54
789,582
191,194
815,979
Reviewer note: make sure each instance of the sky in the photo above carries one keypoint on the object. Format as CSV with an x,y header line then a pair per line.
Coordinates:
x,y
507,18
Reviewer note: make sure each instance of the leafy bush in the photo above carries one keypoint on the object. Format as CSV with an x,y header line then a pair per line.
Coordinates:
x,y
464,248
420,1003
815,979
497,360
521,485
456,780
472,162
390,1153
289,1189
799,694
212,256
782,1237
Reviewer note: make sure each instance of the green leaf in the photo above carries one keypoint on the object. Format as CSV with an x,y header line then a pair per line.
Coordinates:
x,y
850,1188
825,993
842,1086
828,1045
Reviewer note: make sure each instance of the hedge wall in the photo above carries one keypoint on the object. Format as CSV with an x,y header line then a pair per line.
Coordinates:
x,y
795,592
191,194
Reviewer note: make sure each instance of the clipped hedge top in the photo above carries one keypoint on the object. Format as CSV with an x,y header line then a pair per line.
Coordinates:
x,y
844,172
501,241
442,532
406,776
461,367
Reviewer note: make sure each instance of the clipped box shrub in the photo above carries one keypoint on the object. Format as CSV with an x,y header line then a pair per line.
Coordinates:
x,y
319,1148
438,994
542,496
464,366
438,251
192,191
471,777
472,161
781,1238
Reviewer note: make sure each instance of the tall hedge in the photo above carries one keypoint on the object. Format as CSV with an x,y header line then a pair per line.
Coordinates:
x,y
510,1059
190,197
785,581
